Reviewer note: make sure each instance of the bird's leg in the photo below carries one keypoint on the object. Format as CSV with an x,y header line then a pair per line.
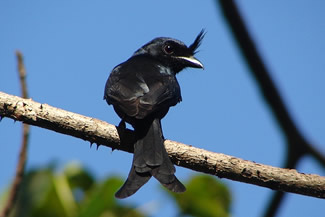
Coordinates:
x,y
121,130
122,125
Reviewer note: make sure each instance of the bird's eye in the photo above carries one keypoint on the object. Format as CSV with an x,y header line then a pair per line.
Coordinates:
x,y
168,49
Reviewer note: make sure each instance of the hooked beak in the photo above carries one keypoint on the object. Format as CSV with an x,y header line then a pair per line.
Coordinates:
x,y
192,62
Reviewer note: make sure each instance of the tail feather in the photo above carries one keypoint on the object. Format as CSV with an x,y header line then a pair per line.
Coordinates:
x,y
153,145
138,161
133,183
165,175
150,159
175,186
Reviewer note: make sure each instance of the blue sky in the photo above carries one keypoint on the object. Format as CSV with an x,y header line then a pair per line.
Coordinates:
x,y
71,46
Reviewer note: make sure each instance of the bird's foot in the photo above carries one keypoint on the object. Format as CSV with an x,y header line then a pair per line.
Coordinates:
x,y
121,128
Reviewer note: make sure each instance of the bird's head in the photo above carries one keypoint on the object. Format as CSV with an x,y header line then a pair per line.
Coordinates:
x,y
173,53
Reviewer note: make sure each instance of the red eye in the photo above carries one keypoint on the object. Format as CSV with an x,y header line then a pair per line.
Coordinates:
x,y
168,49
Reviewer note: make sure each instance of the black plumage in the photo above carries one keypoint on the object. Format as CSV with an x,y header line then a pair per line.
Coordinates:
x,y
141,91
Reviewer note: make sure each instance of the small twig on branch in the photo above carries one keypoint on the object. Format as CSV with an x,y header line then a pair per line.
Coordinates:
x,y
102,133
22,75
23,149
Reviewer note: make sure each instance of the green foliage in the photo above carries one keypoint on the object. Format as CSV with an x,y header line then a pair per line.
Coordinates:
x,y
72,193
75,193
204,197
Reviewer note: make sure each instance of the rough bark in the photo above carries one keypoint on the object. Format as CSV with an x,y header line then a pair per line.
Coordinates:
x,y
102,133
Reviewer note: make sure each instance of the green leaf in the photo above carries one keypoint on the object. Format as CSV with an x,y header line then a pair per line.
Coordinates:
x,y
100,198
78,177
38,197
71,193
204,197
100,201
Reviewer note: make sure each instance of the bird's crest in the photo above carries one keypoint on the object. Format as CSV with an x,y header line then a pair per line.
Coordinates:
x,y
197,41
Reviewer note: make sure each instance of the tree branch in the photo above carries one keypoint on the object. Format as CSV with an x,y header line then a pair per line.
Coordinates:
x,y
297,144
102,133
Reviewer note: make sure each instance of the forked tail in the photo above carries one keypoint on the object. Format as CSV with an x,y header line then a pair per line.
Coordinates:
x,y
150,159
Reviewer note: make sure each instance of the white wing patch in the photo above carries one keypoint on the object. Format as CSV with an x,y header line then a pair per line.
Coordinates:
x,y
142,84
144,87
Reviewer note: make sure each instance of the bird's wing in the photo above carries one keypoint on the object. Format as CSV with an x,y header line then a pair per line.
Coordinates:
x,y
138,98
162,94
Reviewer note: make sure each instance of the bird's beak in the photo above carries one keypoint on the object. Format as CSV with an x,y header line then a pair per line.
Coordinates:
x,y
192,62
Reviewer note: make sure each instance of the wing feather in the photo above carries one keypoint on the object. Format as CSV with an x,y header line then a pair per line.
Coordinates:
x,y
142,93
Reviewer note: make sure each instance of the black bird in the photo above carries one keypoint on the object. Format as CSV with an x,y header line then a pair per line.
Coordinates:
x,y
141,91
